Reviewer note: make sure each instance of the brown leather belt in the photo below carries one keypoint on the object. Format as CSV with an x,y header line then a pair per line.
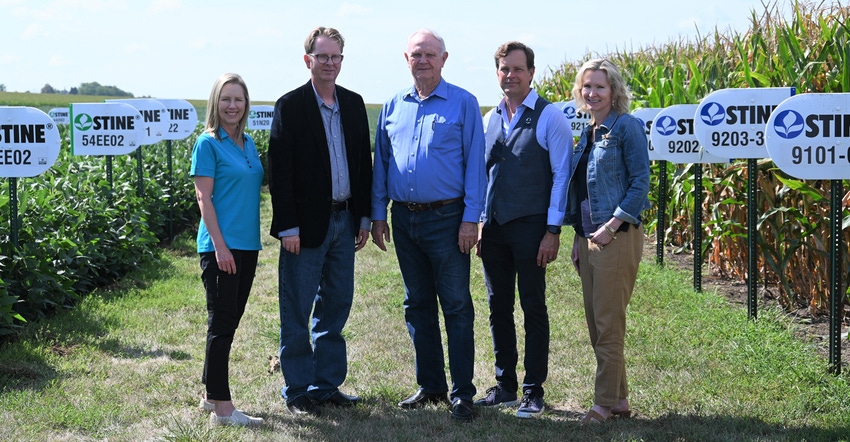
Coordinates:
x,y
339,206
421,207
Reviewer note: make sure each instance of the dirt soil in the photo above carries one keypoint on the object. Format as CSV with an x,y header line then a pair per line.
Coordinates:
x,y
810,329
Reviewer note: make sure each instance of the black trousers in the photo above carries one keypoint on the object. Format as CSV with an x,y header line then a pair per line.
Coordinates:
x,y
509,258
227,296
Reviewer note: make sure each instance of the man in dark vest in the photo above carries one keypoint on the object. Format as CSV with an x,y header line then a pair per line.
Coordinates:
x,y
528,152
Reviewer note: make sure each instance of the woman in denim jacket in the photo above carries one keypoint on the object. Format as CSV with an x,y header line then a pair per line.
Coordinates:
x,y
606,195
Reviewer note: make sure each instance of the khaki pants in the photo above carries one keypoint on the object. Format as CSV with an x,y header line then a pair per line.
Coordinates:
x,y
607,278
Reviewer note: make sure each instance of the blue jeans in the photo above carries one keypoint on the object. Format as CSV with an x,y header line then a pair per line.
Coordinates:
x,y
433,268
320,280
227,296
509,259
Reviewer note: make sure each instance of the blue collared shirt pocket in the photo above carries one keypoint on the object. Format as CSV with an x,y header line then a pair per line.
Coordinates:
x,y
446,134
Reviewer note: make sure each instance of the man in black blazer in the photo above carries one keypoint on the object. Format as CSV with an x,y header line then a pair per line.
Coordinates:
x,y
320,177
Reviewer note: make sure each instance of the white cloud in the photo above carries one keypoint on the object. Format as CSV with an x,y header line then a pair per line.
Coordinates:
x,y
160,6
58,61
89,5
136,48
34,31
267,31
198,43
528,39
352,10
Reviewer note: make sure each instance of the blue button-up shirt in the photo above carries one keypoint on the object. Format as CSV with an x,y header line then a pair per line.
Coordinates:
x,y
430,149
340,185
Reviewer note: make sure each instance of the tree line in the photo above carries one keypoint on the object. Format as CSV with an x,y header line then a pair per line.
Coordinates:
x,y
93,88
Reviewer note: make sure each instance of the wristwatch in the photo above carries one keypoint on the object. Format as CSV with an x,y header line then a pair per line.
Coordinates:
x,y
555,230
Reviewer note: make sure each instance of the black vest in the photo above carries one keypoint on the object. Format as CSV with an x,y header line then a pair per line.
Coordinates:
x,y
519,174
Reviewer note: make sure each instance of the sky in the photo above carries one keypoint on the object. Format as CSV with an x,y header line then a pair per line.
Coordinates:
x,y
177,48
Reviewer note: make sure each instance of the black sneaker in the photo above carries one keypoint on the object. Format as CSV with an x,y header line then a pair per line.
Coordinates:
x,y
497,396
531,405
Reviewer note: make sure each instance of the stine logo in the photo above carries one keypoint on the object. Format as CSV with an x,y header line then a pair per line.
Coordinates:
x,y
84,122
790,124
667,126
261,114
713,114
23,133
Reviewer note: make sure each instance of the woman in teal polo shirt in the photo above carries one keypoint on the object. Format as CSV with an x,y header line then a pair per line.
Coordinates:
x,y
228,175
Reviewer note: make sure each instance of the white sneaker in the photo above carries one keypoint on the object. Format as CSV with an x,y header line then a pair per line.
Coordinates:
x,y
206,405
235,419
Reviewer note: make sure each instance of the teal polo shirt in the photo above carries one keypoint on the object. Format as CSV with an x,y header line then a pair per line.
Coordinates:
x,y
238,176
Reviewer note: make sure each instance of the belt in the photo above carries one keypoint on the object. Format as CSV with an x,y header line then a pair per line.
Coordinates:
x,y
339,206
421,207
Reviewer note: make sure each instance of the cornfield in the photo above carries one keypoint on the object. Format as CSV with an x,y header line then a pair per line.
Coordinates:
x,y
809,48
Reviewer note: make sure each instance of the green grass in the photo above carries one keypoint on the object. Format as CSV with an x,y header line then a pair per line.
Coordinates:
x,y
125,364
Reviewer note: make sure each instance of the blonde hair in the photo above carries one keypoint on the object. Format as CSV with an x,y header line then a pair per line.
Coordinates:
x,y
321,31
620,94
213,117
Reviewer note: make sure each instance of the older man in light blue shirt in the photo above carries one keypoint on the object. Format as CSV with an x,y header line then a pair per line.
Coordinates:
x,y
429,161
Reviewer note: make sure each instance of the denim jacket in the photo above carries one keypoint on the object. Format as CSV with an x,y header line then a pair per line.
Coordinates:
x,y
617,172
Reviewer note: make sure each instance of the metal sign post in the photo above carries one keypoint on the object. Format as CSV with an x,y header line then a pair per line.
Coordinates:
x,y
661,229
109,178
836,295
13,211
698,227
752,237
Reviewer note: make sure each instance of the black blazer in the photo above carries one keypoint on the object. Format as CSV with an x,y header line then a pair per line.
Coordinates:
x,y
300,168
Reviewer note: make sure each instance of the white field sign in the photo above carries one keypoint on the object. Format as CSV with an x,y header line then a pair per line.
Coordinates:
x,y
578,120
260,117
154,117
808,136
183,118
105,128
60,115
647,117
730,123
29,142
674,139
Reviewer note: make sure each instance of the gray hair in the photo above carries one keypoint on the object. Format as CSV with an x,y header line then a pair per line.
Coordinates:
x,y
426,31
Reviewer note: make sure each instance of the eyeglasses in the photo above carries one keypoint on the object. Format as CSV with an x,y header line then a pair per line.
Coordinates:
x,y
324,58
